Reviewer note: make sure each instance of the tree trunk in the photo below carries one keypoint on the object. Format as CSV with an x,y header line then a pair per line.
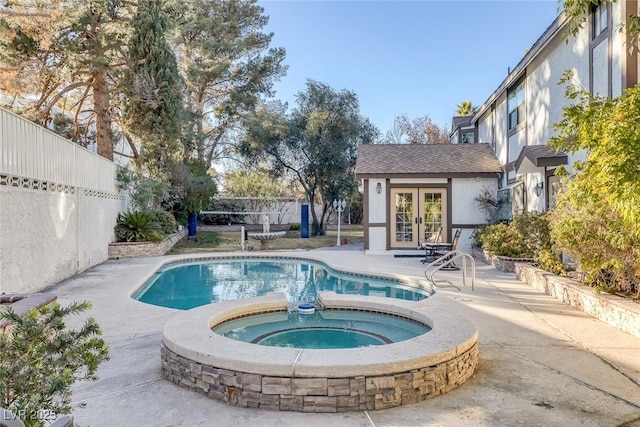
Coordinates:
x,y
104,136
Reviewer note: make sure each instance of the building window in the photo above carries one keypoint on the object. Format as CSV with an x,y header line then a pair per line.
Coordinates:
x,y
599,16
468,137
515,103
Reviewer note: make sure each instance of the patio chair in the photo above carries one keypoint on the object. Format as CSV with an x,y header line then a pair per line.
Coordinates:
x,y
435,237
8,419
438,249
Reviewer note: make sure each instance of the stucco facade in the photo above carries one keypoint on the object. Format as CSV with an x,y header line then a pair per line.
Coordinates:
x,y
599,61
516,122
58,206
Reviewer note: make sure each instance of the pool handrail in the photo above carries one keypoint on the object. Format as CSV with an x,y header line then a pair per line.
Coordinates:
x,y
447,260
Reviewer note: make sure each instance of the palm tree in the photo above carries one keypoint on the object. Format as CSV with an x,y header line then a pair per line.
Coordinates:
x,y
466,108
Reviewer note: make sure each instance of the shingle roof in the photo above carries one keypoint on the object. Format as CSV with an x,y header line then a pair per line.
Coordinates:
x,y
460,122
532,157
426,159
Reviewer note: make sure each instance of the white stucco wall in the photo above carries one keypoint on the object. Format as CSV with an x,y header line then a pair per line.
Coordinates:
x,y
377,202
46,236
618,49
484,127
545,98
465,211
377,239
601,69
463,192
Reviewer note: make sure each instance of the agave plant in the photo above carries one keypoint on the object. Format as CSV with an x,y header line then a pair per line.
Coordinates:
x,y
138,227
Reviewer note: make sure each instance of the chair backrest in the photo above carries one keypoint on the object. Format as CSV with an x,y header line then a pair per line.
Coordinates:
x,y
456,237
435,237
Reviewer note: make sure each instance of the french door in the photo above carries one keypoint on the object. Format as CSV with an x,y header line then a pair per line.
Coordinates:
x,y
417,214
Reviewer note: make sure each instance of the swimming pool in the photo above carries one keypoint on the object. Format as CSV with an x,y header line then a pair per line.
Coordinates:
x,y
325,329
185,285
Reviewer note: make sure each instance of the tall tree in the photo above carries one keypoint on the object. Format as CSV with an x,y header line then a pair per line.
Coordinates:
x,y
316,143
58,53
225,58
152,89
598,210
465,108
420,130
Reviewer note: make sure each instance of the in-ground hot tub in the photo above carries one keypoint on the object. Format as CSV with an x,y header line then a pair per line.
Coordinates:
x,y
321,380
322,329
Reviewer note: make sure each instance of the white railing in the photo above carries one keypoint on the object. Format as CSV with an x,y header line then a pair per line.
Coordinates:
x,y
32,151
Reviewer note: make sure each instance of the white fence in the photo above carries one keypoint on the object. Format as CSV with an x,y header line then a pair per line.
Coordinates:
x,y
32,151
58,206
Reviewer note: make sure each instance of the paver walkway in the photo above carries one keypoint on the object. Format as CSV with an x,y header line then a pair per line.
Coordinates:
x,y
542,363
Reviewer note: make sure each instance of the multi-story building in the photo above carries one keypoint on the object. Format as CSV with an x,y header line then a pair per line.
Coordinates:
x,y
513,127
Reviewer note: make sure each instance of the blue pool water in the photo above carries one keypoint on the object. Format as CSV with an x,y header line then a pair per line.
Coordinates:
x,y
192,284
322,329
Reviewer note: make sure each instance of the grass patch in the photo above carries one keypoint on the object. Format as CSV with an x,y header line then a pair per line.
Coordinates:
x,y
229,241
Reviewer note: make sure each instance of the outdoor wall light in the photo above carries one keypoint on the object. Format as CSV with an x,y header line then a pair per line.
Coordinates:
x,y
538,188
379,188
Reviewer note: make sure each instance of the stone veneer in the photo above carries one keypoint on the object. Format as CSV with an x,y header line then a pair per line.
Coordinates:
x,y
320,394
502,263
287,379
120,250
614,310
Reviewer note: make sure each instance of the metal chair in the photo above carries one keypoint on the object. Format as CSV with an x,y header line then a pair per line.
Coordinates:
x,y
436,250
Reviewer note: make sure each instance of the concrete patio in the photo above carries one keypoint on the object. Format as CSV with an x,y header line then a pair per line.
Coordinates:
x,y
542,363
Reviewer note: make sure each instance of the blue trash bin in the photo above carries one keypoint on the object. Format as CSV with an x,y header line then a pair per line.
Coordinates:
x,y
191,224
304,222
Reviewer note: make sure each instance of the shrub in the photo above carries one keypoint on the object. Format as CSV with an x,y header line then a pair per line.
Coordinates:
x,y
501,240
165,220
528,235
40,359
294,226
137,227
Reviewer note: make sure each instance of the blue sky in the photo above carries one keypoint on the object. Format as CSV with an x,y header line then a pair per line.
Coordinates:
x,y
414,57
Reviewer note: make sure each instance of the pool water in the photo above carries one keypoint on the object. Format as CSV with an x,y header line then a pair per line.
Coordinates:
x,y
331,329
192,284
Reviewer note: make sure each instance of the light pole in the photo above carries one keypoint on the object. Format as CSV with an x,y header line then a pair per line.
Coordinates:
x,y
339,206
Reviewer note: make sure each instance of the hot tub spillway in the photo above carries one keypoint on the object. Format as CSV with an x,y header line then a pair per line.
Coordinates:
x,y
306,308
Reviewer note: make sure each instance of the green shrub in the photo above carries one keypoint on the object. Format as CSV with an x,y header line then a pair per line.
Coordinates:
x,y
138,227
40,359
166,221
501,240
528,235
294,226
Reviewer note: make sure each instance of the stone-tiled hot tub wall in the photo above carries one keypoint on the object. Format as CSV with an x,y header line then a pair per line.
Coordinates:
x,y
320,394
287,379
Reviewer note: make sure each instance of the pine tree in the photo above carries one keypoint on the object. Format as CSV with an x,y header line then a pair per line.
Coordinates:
x,y
152,88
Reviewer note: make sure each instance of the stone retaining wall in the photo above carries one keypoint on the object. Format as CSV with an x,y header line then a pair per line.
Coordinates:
x,y
120,250
320,394
502,263
616,311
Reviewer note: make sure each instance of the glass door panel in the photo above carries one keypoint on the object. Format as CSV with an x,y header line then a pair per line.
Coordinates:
x,y
403,233
433,203
417,215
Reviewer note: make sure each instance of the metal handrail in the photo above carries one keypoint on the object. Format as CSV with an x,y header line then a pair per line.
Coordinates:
x,y
447,259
